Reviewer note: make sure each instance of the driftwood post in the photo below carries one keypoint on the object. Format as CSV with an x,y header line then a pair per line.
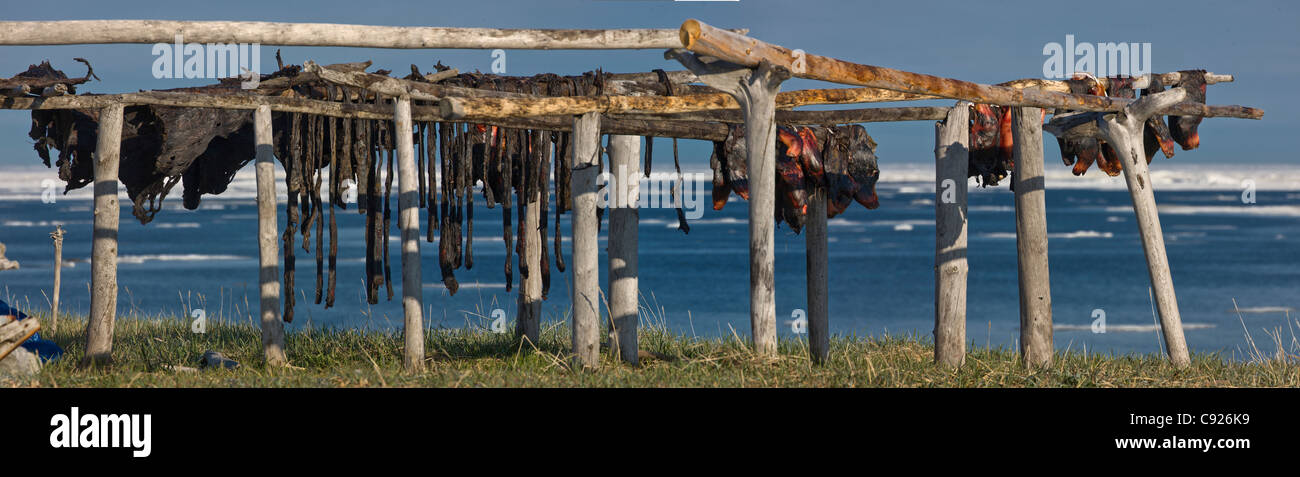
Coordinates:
x,y
268,244
103,259
528,323
951,151
57,235
819,338
755,89
1124,132
1031,237
408,220
625,163
586,241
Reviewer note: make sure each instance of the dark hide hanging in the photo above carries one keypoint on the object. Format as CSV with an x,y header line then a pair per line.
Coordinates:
x,y
1155,134
561,149
389,131
294,183
445,262
317,204
543,194
1183,128
418,143
334,192
508,141
430,154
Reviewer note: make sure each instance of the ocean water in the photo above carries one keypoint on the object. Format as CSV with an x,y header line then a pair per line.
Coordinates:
x,y
881,262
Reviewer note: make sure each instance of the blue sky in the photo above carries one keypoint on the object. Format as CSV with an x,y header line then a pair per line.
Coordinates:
x,y
1256,41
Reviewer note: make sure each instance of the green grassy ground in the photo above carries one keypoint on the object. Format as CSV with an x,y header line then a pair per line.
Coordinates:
x,y
147,350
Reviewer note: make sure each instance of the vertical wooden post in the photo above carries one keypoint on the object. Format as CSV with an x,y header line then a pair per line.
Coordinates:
x,y
408,220
760,142
57,235
755,90
528,323
819,338
625,163
1124,132
103,261
1031,237
268,243
951,154
586,243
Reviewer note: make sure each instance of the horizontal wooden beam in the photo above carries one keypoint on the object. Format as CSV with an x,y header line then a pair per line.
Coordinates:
x,y
76,32
808,118
707,40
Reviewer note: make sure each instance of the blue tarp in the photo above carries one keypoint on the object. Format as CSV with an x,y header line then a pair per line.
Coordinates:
x,y
47,350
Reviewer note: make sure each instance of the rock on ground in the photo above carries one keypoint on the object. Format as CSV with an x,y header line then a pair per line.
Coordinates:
x,y
20,363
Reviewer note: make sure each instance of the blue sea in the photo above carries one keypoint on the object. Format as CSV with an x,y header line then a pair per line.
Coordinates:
x,y
1221,249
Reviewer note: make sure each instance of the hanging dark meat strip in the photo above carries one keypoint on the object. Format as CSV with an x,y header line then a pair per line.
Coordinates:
x,y
543,202
374,217
985,156
345,165
649,153
388,130
506,170
430,142
306,172
1183,128
418,143
737,167
294,182
721,187
361,156
863,166
317,204
1155,135
792,197
600,169
445,262
334,191
561,191
472,140
1082,153
522,189
840,187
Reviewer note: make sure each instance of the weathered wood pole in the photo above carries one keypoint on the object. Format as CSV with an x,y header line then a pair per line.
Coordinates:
x,y
1031,237
759,109
586,241
528,322
819,337
1124,132
103,259
268,243
755,90
951,151
624,216
408,220
57,235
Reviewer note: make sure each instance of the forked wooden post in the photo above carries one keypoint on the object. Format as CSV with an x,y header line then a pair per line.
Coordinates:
x,y
408,220
1124,132
625,163
268,243
819,337
951,154
1031,238
586,241
103,259
755,89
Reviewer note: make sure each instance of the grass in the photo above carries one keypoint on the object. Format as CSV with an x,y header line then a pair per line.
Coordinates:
x,y
147,350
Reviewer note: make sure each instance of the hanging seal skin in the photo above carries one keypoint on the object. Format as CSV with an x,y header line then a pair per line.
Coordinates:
x,y
840,159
